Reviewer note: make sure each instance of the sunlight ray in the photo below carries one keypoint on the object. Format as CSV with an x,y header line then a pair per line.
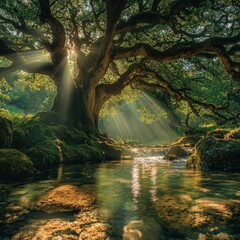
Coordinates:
x,y
127,124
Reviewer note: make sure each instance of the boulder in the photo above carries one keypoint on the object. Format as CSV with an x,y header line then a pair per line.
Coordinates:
x,y
175,152
64,199
15,164
6,128
214,154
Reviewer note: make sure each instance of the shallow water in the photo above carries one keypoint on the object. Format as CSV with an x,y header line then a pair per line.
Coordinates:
x,y
145,198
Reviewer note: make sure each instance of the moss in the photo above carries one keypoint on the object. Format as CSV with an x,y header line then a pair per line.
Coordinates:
x,y
6,128
19,139
67,134
45,155
214,154
15,164
49,118
80,153
28,135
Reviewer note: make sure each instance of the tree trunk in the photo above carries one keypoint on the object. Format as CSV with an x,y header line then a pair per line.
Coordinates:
x,y
72,106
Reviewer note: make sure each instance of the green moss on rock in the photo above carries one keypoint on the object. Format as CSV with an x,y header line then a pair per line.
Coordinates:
x,y
69,135
49,118
6,128
214,154
80,153
15,164
46,155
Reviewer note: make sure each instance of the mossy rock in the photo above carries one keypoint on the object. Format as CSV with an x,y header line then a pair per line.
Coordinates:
x,y
175,152
45,155
233,135
6,128
218,133
214,154
15,164
69,135
80,153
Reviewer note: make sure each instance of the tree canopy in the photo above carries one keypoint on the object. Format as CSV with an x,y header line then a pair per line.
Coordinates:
x,y
93,50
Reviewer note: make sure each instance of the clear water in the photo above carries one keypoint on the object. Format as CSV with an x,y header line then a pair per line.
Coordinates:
x,y
147,197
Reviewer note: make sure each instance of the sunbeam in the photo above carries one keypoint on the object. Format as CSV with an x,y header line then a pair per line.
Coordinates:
x,y
144,120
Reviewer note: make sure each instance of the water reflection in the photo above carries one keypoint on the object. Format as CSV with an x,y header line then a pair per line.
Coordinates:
x,y
135,184
146,198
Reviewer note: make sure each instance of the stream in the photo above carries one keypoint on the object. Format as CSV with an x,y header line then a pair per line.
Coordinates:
x,y
145,198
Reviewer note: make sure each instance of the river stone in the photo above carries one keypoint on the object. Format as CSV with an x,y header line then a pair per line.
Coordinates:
x,y
65,198
205,214
219,236
175,152
84,227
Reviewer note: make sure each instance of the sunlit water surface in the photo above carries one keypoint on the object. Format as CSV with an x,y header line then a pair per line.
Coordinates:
x,y
137,194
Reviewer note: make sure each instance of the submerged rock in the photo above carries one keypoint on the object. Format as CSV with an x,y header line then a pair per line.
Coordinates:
x,y
65,198
59,229
219,236
6,128
175,152
15,164
213,154
206,214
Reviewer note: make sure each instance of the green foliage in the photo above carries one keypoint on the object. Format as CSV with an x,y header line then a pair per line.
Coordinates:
x,y
15,164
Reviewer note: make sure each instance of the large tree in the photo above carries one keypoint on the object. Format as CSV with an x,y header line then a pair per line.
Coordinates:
x,y
93,49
